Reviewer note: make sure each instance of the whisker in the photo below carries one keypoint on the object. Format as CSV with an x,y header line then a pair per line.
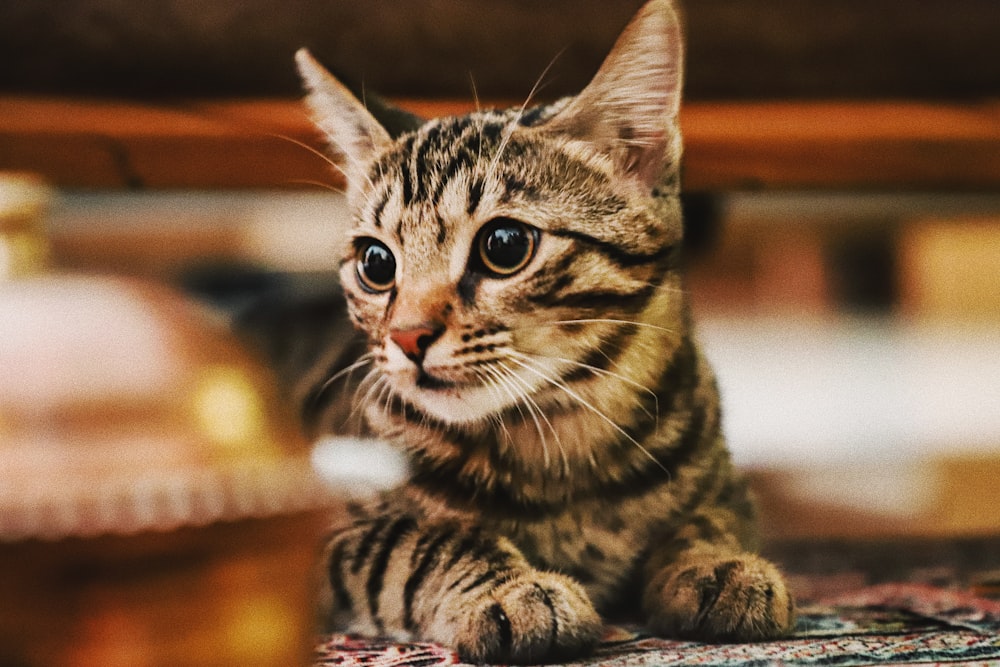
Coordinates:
x,y
599,320
312,149
370,384
605,372
385,397
318,184
535,412
475,92
589,406
512,125
326,158
320,391
494,385
535,408
361,361
518,398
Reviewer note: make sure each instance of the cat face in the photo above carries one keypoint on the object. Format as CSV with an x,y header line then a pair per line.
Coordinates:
x,y
496,259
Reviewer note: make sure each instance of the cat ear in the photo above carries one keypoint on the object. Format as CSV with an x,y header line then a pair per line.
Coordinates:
x,y
631,106
347,124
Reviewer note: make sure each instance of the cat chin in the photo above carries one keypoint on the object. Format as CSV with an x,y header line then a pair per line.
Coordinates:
x,y
459,406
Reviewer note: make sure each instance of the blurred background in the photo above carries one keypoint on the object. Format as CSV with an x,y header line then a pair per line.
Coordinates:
x,y
843,166
842,210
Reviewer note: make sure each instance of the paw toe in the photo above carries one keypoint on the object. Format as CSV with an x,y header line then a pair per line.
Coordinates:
x,y
532,618
739,599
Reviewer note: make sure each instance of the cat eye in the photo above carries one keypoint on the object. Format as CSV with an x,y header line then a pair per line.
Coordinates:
x,y
376,266
506,246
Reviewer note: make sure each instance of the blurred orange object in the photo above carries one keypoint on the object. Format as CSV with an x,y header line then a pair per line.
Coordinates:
x,y
156,505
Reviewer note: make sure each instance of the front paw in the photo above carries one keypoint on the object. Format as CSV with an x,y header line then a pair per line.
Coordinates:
x,y
743,598
533,617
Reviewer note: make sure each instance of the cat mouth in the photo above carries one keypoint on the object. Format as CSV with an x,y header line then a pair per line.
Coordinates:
x,y
430,382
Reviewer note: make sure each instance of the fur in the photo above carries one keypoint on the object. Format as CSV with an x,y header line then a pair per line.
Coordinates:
x,y
562,426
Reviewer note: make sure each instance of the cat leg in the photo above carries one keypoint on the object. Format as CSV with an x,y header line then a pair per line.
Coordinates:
x,y
704,585
458,586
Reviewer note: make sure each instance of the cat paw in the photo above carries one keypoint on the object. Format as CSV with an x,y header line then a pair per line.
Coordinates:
x,y
722,599
534,617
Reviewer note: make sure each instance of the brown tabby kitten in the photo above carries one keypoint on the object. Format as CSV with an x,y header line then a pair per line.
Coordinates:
x,y
516,275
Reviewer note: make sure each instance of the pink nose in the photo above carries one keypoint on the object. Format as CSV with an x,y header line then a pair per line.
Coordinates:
x,y
414,341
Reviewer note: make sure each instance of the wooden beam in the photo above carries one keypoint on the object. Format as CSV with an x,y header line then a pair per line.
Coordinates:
x,y
81,143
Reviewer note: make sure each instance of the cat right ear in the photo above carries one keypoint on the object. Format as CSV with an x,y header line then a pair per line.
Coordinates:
x,y
351,130
631,105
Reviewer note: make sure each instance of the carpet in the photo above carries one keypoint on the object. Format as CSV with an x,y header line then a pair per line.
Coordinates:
x,y
860,603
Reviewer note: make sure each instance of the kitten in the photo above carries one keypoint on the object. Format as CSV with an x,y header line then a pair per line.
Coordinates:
x,y
515,276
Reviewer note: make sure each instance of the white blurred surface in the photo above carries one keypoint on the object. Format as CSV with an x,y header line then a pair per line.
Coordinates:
x,y
816,392
358,468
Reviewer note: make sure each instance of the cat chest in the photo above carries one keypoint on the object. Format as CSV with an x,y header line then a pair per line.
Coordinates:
x,y
599,544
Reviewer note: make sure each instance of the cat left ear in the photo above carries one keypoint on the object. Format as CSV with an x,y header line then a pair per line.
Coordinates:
x,y
631,106
347,124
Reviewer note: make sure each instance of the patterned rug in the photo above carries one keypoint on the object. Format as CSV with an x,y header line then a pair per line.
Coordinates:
x,y
895,603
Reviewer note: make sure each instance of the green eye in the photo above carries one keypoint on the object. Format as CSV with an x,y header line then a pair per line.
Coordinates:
x,y
376,266
506,246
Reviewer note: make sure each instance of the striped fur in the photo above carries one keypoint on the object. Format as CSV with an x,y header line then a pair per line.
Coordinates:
x,y
562,425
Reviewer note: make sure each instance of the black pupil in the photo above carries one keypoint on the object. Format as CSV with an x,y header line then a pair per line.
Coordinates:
x,y
378,265
506,247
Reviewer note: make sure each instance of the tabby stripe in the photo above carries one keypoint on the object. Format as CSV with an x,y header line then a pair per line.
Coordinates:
x,y
419,162
619,256
446,481
419,573
651,474
447,433
554,280
701,492
513,184
484,578
467,148
690,442
376,574
555,275
631,301
456,490
459,161
671,393
380,207
682,377
735,496
676,381
491,132
475,195
603,357
705,530
462,549
336,576
532,116
367,543
496,562
405,175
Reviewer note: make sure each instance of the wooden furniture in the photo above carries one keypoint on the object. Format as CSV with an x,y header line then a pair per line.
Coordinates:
x,y
768,145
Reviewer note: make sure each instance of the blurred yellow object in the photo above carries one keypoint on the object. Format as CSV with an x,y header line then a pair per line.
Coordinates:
x,y
24,247
157,507
228,409
950,268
